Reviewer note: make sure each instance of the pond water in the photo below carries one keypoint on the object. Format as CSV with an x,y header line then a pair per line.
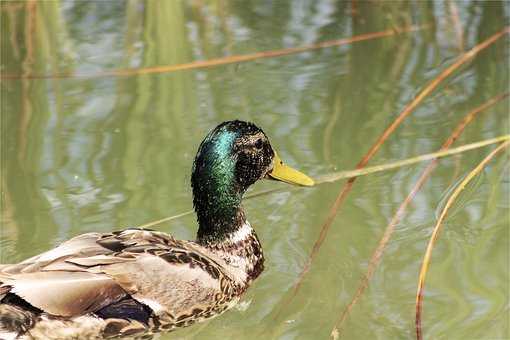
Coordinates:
x,y
94,149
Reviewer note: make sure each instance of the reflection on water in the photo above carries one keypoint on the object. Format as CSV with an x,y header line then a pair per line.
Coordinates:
x,y
93,154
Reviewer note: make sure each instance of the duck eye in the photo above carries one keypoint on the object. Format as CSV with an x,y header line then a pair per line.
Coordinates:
x,y
258,144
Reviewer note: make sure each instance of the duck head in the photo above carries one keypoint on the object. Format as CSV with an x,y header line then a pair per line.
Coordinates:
x,y
233,156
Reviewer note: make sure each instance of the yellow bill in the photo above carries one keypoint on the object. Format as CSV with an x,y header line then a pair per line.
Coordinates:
x,y
284,173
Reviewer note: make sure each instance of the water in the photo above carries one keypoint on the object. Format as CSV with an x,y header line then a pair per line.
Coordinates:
x,y
83,154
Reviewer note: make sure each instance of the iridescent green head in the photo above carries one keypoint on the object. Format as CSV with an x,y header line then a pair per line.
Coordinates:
x,y
233,156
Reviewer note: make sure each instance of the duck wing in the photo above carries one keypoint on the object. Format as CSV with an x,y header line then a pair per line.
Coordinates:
x,y
94,270
50,283
175,278
64,293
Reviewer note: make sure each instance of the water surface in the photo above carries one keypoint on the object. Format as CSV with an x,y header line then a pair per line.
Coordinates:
x,y
98,152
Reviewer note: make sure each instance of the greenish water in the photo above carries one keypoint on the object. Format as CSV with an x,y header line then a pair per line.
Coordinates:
x,y
85,154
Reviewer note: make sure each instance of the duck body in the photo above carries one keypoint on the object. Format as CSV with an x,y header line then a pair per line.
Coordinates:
x,y
136,282
128,282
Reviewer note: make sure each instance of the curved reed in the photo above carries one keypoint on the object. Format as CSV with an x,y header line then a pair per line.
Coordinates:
x,y
436,230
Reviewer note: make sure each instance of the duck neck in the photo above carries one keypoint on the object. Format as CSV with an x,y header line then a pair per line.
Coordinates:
x,y
217,194
219,211
218,228
222,225
242,252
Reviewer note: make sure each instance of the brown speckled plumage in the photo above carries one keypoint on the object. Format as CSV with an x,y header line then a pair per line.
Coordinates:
x,y
180,281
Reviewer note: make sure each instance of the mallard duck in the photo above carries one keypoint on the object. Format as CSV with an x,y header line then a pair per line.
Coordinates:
x,y
139,281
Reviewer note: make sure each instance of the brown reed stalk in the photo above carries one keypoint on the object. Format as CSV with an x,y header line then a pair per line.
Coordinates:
x,y
461,60
226,60
377,254
437,228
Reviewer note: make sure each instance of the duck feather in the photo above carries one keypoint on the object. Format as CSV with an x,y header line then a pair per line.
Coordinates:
x,y
91,271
